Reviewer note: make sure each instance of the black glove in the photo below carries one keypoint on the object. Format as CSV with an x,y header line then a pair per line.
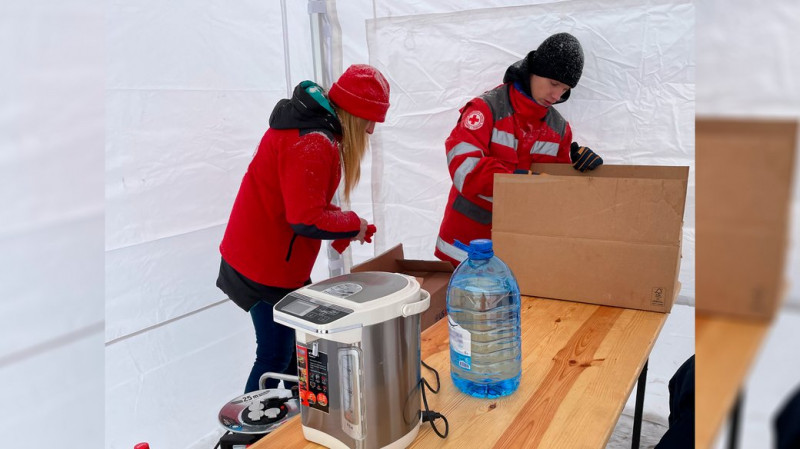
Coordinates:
x,y
583,158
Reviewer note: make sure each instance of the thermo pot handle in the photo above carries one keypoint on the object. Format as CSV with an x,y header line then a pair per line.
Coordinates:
x,y
262,381
419,306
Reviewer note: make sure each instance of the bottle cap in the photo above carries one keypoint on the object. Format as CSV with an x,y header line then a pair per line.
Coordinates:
x,y
478,249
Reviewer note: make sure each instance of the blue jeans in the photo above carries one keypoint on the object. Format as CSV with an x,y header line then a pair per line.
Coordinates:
x,y
275,350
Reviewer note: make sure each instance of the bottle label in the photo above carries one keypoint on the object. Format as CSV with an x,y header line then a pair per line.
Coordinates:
x,y
460,344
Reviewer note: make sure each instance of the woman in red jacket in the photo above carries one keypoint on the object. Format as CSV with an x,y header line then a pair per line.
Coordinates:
x,y
283,209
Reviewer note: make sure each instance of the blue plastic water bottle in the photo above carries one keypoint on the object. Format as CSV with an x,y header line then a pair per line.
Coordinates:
x,y
483,307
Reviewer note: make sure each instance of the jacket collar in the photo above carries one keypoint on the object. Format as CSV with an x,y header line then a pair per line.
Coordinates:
x,y
307,109
524,105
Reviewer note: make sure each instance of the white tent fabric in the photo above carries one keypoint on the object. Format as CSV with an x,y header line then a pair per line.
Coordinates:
x,y
51,223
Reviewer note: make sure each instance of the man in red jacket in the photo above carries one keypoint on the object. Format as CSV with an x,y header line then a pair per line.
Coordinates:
x,y
506,129
283,209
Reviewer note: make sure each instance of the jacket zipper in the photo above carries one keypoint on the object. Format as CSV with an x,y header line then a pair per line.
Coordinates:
x,y
291,244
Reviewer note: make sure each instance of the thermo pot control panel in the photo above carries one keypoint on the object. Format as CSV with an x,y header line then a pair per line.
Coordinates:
x,y
311,309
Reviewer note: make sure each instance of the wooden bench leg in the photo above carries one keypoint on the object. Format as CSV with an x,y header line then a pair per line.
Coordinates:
x,y
736,414
637,413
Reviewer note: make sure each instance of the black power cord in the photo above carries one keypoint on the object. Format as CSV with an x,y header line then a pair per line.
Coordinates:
x,y
428,415
220,440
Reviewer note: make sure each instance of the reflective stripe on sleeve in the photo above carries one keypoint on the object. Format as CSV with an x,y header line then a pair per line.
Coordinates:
x,y
450,250
504,138
461,148
463,170
548,148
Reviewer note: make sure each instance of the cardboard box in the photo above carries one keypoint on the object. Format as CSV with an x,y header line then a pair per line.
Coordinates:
x,y
744,181
610,237
433,277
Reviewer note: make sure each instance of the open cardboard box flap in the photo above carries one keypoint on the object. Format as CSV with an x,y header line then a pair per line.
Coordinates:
x,y
433,276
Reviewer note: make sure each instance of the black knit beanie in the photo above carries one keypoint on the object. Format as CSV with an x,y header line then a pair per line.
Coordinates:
x,y
559,57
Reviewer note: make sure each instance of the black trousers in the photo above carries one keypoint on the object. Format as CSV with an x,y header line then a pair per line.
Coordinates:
x,y
787,424
680,434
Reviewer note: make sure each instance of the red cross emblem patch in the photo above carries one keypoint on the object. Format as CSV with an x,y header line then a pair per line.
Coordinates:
x,y
473,120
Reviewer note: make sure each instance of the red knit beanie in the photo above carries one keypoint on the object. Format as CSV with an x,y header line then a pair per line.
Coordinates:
x,y
362,91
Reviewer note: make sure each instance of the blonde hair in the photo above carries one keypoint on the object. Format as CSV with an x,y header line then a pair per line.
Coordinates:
x,y
354,145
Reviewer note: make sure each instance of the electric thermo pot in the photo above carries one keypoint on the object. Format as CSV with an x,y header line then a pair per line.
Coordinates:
x,y
358,357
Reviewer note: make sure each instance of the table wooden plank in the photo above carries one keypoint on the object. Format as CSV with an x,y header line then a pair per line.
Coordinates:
x,y
725,349
580,363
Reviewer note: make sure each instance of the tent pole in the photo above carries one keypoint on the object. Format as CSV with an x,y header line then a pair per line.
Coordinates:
x,y
338,264
286,61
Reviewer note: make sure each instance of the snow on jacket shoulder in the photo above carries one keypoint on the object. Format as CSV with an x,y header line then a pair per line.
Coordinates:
x,y
309,174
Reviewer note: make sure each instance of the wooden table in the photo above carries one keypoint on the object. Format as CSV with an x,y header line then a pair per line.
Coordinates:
x,y
725,350
579,366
